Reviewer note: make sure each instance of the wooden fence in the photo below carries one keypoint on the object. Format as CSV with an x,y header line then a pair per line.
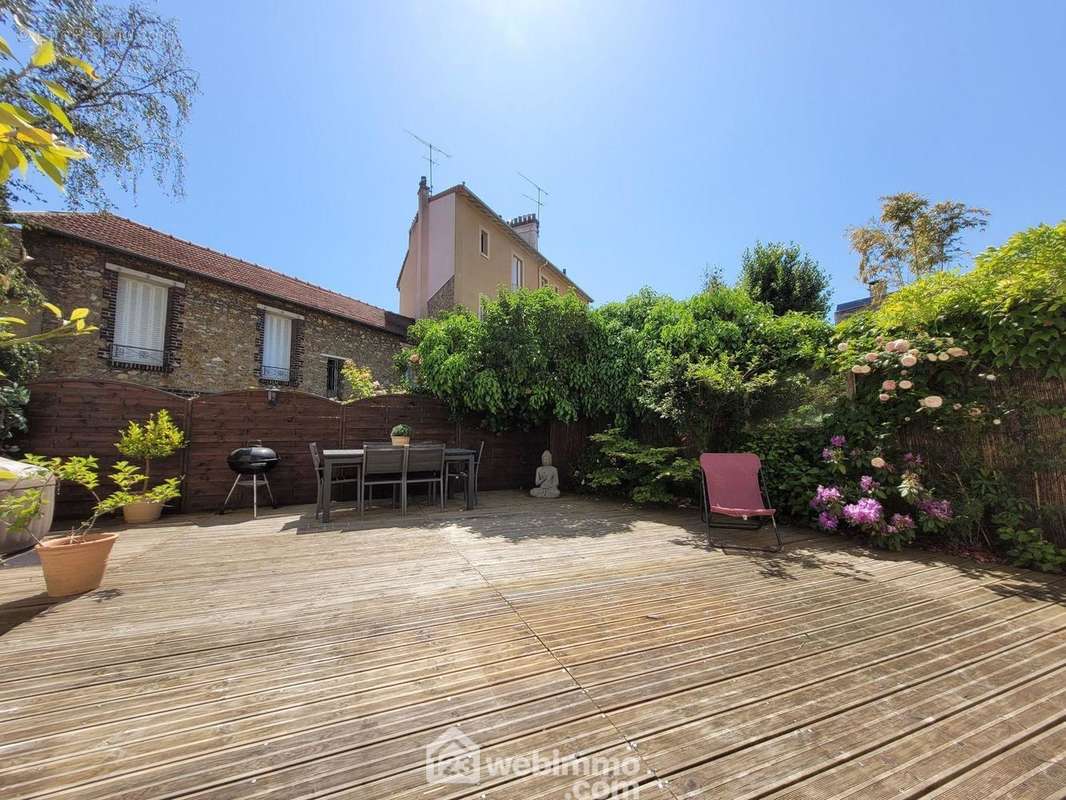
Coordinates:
x,y
78,417
1028,448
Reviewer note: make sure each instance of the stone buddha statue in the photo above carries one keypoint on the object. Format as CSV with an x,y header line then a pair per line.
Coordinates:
x,y
547,478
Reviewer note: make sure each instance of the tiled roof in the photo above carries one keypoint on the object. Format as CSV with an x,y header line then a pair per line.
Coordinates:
x,y
132,238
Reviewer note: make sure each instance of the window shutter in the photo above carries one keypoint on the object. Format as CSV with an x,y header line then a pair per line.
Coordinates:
x,y
277,347
140,322
516,272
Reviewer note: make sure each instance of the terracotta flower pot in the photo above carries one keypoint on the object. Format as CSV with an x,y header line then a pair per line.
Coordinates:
x,y
75,568
400,441
139,513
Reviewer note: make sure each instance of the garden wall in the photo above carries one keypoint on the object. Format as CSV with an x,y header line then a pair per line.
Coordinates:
x,y
78,417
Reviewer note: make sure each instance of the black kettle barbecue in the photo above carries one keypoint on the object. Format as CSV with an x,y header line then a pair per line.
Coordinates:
x,y
251,463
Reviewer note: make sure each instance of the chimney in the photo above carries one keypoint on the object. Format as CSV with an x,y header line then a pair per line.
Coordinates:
x,y
528,227
422,274
878,291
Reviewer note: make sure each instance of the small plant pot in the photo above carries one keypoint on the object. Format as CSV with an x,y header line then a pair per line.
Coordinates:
x,y
400,441
140,513
75,568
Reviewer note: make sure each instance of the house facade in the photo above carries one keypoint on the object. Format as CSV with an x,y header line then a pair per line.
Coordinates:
x,y
181,317
460,251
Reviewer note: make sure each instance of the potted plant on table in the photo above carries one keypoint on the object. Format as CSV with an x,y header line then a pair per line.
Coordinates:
x,y
401,435
157,437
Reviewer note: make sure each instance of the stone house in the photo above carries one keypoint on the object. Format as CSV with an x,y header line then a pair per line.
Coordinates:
x,y
460,251
181,317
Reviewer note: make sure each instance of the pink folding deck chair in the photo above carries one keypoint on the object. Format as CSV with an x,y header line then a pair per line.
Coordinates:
x,y
733,489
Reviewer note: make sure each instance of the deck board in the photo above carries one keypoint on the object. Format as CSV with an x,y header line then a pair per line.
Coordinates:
x,y
282,658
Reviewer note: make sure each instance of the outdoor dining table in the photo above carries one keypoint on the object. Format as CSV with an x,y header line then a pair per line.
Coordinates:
x,y
348,458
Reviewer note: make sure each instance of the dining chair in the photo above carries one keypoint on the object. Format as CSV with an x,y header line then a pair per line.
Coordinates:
x,y
461,473
383,465
341,475
425,464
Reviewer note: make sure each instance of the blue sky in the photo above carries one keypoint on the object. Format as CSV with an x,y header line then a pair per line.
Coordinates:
x,y
670,135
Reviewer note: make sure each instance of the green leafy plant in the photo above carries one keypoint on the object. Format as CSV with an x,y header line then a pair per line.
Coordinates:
x,y
533,357
786,278
401,430
621,465
156,437
887,500
791,465
360,380
1027,547
80,470
25,137
131,483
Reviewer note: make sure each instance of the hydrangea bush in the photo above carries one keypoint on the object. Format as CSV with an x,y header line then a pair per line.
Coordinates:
x,y
885,500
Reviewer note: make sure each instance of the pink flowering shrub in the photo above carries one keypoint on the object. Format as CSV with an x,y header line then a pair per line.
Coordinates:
x,y
882,499
924,378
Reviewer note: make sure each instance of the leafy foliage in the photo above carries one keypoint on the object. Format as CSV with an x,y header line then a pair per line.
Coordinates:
x,y
786,278
621,465
912,239
890,497
988,505
131,489
712,364
400,430
360,381
156,437
1010,309
791,465
19,363
126,111
80,470
34,137
535,356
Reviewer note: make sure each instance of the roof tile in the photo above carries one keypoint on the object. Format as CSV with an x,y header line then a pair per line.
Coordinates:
x,y
119,233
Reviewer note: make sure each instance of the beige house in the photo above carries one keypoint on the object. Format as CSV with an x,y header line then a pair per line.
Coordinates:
x,y
459,251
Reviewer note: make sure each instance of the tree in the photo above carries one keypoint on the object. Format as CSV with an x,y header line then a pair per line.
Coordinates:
x,y
533,357
25,139
126,111
786,278
912,238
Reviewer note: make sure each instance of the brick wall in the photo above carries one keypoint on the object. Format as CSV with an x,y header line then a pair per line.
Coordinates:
x,y
213,340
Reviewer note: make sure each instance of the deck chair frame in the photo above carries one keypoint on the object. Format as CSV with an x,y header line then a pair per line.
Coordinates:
x,y
737,523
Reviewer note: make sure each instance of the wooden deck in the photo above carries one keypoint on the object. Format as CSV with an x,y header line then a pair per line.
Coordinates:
x,y
226,658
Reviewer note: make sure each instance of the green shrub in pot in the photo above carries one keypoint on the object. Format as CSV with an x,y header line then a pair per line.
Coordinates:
x,y
156,437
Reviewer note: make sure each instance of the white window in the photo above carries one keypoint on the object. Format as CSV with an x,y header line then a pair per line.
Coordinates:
x,y
483,242
277,346
140,322
544,281
516,272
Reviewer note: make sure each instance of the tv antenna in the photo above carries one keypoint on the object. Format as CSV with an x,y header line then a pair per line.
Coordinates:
x,y
432,148
541,193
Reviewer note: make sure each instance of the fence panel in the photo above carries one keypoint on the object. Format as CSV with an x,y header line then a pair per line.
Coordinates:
x,y
1029,447
223,422
83,418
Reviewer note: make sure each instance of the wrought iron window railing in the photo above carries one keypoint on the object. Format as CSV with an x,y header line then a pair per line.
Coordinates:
x,y
128,354
270,373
